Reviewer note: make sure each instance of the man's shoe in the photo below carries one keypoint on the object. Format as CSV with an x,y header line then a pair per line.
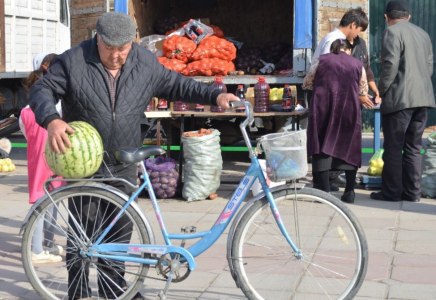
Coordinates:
x,y
333,188
45,257
404,197
54,249
348,197
381,197
338,181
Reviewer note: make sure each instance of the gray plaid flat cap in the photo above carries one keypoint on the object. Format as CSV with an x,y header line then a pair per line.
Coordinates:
x,y
116,29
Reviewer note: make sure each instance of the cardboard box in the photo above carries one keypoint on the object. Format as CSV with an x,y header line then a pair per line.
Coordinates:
x,y
249,95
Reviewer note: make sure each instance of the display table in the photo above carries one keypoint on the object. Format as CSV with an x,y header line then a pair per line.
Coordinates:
x,y
158,115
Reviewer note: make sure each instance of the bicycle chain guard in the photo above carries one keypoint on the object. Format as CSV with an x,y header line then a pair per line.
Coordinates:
x,y
163,267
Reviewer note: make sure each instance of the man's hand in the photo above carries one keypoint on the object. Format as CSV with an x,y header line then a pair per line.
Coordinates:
x,y
57,135
366,101
378,99
223,100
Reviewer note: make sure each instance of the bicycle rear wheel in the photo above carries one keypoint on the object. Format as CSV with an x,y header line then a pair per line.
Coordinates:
x,y
89,277
331,240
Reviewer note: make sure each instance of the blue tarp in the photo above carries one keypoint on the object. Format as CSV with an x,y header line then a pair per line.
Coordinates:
x,y
303,24
121,6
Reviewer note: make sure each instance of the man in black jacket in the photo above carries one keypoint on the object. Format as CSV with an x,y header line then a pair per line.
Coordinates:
x,y
407,92
107,82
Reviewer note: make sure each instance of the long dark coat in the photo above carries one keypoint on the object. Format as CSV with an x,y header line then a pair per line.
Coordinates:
x,y
335,126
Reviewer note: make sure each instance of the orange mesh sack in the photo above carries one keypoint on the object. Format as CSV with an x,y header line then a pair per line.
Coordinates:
x,y
172,64
215,47
208,67
178,47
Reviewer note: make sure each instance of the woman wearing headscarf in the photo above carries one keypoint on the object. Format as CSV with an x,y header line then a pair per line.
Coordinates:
x,y
334,132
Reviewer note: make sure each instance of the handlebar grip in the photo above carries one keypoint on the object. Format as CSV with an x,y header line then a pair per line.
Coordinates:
x,y
235,104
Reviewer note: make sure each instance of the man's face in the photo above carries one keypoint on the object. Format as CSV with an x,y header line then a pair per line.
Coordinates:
x,y
111,57
354,31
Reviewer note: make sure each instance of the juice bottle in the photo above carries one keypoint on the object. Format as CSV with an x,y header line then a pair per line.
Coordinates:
x,y
218,84
180,106
240,94
261,95
287,99
162,104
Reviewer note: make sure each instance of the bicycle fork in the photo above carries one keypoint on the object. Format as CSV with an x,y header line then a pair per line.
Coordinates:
x,y
281,225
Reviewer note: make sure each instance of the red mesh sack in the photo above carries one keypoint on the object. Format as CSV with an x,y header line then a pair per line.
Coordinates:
x,y
178,47
217,31
172,64
208,67
215,47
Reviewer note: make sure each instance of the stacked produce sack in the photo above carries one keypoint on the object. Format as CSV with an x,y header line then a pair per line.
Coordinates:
x,y
428,181
212,56
163,176
203,164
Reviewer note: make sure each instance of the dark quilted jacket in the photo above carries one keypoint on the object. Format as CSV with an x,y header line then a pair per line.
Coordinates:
x,y
79,77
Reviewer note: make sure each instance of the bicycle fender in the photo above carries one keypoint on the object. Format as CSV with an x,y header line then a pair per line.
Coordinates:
x,y
239,215
97,185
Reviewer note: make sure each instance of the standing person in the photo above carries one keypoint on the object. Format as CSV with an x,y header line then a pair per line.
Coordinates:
x,y
334,132
44,249
352,23
407,92
108,81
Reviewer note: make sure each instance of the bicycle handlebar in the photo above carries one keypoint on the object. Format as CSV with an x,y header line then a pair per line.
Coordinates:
x,y
247,122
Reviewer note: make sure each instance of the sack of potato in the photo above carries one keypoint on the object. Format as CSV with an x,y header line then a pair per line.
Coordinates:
x,y
208,67
6,165
376,163
163,176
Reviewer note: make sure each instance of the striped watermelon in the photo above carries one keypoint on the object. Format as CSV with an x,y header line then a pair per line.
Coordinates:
x,y
83,158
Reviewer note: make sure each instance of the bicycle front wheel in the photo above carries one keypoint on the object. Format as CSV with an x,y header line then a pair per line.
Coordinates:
x,y
333,249
63,270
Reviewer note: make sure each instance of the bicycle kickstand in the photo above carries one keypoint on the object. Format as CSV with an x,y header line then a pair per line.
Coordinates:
x,y
175,264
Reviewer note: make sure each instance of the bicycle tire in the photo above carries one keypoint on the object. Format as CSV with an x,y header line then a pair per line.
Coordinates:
x,y
50,280
266,273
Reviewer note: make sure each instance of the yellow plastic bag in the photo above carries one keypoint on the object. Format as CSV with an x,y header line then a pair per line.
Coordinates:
x,y
376,163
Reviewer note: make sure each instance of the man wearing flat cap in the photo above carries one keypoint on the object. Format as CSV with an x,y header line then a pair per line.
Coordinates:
x,y
407,92
107,81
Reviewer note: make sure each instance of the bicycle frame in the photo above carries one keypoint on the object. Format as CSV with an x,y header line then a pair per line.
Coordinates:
x,y
208,237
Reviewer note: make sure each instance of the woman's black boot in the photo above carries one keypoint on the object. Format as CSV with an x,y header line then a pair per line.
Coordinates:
x,y
348,197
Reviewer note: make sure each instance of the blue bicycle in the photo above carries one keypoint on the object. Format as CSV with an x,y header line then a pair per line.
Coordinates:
x,y
285,243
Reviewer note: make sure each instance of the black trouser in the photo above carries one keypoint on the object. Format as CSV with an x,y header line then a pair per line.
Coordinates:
x,y
401,175
91,214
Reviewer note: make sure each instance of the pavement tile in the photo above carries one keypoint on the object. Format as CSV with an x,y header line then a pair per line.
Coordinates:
x,y
406,291
419,275
424,235
418,224
416,247
404,260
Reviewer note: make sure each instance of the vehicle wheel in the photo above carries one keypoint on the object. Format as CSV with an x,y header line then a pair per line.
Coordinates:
x,y
333,249
9,126
93,208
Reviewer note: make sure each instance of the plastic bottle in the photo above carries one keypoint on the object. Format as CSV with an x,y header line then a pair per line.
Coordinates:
x,y
261,95
218,84
180,106
199,107
162,104
240,94
287,99
149,106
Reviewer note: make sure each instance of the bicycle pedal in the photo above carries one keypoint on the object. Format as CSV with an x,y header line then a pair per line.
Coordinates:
x,y
188,229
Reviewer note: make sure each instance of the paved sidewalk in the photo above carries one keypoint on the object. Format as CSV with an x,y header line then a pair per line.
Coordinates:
x,y
402,245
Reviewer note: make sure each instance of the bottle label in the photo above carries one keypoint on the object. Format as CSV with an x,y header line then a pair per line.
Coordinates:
x,y
162,104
